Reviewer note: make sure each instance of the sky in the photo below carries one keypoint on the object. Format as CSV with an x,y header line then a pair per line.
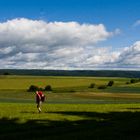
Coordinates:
x,y
70,34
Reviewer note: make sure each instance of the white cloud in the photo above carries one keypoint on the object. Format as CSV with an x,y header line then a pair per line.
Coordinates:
x,y
6,50
25,33
38,44
130,56
25,42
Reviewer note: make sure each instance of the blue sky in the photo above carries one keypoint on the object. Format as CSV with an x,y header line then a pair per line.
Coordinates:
x,y
110,12
118,15
113,14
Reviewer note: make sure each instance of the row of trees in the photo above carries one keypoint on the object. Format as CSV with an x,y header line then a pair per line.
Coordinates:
x,y
34,88
132,81
110,83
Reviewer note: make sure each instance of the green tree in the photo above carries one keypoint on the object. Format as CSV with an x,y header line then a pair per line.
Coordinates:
x,y
92,85
48,88
110,83
33,88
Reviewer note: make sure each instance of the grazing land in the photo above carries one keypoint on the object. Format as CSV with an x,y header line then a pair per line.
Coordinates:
x,y
70,121
69,89
72,109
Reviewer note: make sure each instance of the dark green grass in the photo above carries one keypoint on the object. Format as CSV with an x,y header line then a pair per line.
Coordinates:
x,y
122,89
20,96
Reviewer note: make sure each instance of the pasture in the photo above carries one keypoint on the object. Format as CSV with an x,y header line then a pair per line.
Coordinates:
x,y
70,121
72,110
69,89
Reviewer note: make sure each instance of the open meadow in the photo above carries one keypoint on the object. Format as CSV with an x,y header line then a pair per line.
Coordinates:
x,y
73,110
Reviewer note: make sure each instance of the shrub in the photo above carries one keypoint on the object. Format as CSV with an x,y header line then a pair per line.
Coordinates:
x,y
92,85
6,73
48,88
72,90
102,87
110,83
127,83
134,80
33,88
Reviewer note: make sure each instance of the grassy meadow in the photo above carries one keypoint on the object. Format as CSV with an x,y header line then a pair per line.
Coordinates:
x,y
72,110
70,121
69,89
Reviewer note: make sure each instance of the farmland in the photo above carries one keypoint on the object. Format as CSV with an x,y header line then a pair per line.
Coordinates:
x,y
68,89
72,109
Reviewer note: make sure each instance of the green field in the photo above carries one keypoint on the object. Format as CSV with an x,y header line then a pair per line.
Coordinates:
x,y
72,110
70,121
69,89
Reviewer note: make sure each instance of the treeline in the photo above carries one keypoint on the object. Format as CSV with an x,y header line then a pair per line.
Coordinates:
x,y
95,73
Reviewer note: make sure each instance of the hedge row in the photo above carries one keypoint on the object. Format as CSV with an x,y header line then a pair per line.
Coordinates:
x,y
110,83
34,88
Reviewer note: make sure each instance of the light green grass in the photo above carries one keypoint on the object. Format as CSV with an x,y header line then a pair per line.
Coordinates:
x,y
72,111
66,84
70,121
65,89
23,82
49,111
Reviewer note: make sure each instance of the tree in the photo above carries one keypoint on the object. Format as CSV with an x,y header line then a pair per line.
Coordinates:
x,y
134,80
33,88
110,83
6,73
92,85
48,88
127,83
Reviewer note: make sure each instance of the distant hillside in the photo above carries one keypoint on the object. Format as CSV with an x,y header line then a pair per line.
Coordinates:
x,y
95,73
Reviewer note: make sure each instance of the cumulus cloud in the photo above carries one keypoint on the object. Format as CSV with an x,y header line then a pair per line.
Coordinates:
x,y
28,44
25,42
130,56
24,33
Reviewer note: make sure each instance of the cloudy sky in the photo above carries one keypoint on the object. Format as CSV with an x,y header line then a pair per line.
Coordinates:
x,y
70,34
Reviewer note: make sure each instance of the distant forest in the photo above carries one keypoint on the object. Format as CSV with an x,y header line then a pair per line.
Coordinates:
x,y
94,73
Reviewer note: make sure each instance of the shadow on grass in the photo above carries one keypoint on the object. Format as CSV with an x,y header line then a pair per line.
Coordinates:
x,y
136,108
97,126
